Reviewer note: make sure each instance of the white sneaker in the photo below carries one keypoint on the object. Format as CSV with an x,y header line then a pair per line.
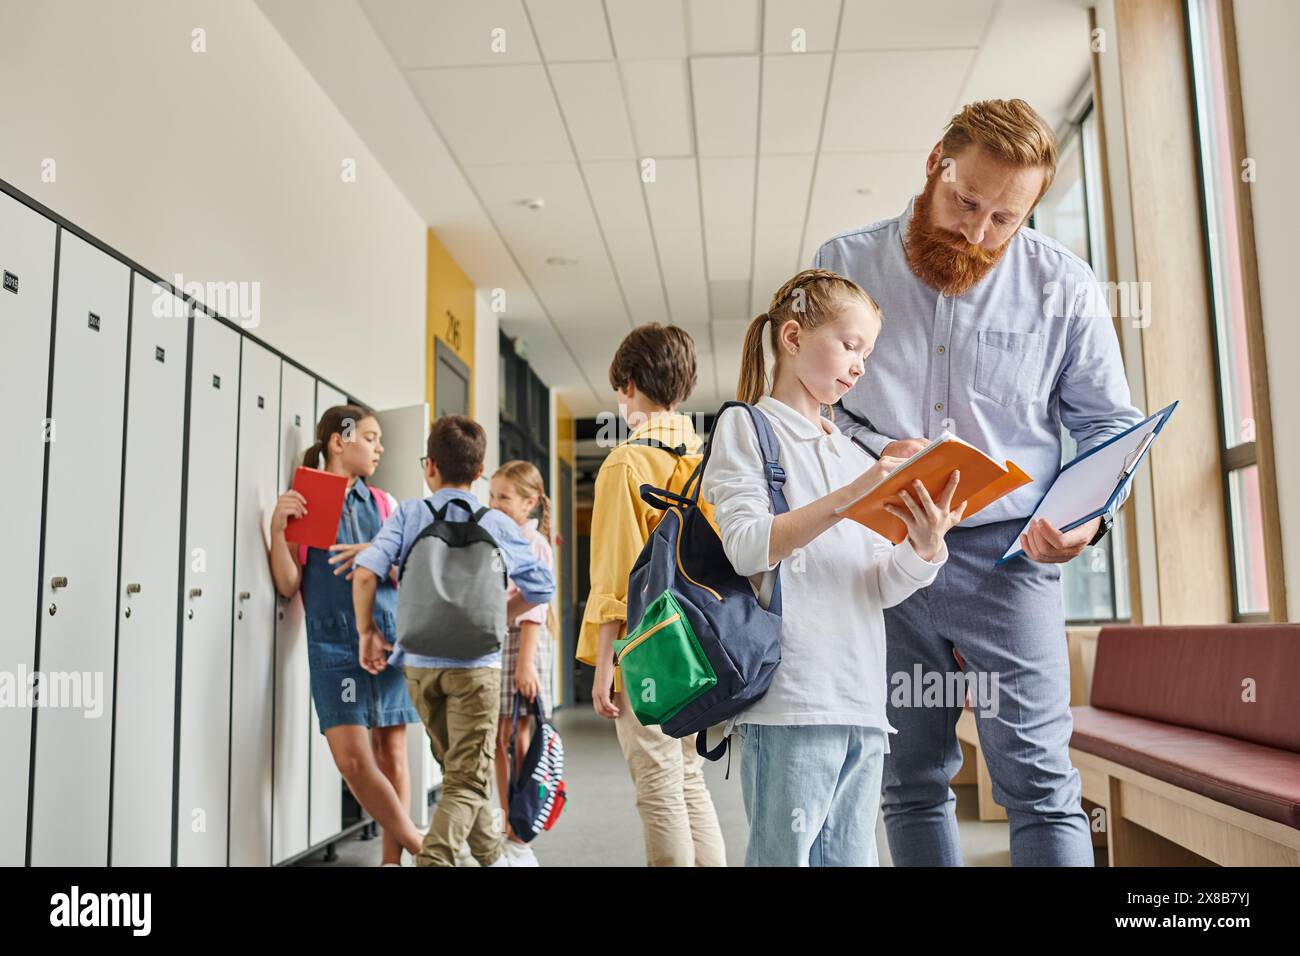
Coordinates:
x,y
502,860
407,859
519,854
389,864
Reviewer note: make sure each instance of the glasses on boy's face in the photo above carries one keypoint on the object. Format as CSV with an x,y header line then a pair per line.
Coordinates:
x,y
424,459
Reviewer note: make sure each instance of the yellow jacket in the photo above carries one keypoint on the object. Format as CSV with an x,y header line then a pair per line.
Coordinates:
x,y
621,522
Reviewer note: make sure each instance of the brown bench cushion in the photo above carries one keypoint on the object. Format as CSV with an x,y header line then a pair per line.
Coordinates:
x,y
1191,676
1261,780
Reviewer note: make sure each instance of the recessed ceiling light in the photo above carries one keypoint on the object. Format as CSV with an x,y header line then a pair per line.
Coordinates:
x,y
560,261
864,190
534,204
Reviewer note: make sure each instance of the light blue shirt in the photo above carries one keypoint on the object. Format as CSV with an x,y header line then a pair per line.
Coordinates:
x,y
533,578
1003,365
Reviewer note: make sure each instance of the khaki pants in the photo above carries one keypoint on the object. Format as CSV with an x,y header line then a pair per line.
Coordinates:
x,y
677,815
459,708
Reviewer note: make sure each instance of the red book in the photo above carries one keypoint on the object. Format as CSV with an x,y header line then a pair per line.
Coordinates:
x,y
324,492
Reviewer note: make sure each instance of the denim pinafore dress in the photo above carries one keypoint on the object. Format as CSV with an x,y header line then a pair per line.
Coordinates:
x,y
342,691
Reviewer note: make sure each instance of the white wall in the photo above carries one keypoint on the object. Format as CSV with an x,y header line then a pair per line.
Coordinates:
x,y
1270,77
224,166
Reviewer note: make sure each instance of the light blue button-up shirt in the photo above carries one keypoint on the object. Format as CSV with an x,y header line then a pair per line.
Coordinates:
x,y
533,578
1003,365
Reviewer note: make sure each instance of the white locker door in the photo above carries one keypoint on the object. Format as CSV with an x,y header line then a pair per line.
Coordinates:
x,y
253,660
326,781
145,728
206,597
73,726
292,679
27,259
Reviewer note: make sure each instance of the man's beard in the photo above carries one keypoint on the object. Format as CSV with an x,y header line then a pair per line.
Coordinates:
x,y
941,259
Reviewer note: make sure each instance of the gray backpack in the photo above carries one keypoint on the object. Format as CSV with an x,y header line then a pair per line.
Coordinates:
x,y
452,599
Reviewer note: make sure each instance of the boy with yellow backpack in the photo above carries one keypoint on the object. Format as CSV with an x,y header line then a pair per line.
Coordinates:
x,y
653,372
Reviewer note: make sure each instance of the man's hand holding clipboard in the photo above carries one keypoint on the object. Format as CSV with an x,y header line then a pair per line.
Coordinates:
x,y
1085,489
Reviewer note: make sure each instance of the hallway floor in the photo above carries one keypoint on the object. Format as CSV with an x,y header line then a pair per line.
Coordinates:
x,y
600,826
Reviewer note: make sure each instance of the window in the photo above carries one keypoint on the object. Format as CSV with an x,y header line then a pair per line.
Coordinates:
x,y
1228,278
1095,584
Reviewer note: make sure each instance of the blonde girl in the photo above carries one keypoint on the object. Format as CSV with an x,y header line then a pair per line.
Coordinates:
x,y
528,655
813,746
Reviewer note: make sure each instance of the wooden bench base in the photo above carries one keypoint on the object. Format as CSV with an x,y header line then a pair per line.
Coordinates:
x,y
1153,823
1148,822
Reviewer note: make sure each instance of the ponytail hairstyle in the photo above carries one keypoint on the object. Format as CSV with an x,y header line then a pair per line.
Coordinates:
x,y
812,298
528,482
338,420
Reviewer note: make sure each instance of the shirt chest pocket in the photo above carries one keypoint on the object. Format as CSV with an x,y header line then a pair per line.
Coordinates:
x,y
1009,366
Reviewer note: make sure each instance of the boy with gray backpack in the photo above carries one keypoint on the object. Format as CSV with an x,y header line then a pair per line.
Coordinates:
x,y
453,557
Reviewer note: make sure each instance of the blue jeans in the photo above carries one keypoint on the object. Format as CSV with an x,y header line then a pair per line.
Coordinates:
x,y
1008,624
811,794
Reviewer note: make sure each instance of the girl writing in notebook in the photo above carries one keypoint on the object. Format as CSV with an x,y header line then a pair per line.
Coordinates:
x,y
813,746
362,715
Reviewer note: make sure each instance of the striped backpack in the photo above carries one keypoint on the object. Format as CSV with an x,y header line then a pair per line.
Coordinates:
x,y
536,794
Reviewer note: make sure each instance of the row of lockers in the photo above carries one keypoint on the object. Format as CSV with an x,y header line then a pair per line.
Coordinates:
x,y
147,445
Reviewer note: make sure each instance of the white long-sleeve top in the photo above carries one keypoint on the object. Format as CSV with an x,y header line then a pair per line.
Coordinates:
x,y
833,590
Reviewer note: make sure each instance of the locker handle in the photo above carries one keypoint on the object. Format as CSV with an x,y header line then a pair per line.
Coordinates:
x,y
133,589
244,595
58,582
196,592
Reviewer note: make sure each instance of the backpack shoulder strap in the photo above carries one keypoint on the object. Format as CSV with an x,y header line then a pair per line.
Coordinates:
x,y
382,503
768,446
678,450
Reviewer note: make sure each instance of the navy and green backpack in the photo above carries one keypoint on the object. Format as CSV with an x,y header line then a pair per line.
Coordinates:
x,y
702,648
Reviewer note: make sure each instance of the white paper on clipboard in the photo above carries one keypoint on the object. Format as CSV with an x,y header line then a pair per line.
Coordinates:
x,y
1084,487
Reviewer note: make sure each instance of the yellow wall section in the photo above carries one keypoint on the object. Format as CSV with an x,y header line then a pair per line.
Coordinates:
x,y
565,447
449,316
565,450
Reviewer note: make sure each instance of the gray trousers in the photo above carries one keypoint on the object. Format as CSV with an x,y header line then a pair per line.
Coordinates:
x,y
1008,625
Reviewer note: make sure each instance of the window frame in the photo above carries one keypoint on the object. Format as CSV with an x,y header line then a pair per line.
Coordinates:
x,y
1234,459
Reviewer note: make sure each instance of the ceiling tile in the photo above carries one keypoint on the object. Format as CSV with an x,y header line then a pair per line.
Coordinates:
x,y
815,19
571,29
593,108
660,106
794,93
1028,38
723,26
890,25
725,91
646,31
494,114
620,206
422,34
837,204
584,291
873,106
727,191
777,257
783,183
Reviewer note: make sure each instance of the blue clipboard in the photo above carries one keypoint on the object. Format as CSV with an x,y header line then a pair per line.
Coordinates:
x,y
1128,465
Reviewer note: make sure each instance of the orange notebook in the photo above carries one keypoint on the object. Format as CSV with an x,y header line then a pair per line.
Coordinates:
x,y
324,492
983,481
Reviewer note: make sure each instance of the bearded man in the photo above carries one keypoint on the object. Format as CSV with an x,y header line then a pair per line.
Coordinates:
x,y
998,334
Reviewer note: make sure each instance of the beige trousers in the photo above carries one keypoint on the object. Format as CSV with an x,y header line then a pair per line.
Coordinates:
x,y
677,815
459,708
